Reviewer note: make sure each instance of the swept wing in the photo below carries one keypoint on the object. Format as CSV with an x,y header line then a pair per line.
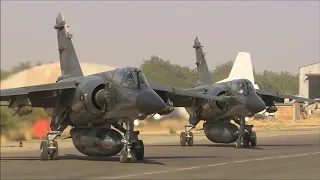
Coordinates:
x,y
44,95
185,98
280,97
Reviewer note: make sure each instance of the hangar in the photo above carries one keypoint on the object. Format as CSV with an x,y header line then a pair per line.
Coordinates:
x,y
309,81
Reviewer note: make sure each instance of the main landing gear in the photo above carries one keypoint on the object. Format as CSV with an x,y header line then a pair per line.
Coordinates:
x,y
49,147
133,147
246,135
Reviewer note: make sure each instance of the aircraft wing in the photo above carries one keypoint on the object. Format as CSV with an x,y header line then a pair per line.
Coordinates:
x,y
280,97
44,95
182,97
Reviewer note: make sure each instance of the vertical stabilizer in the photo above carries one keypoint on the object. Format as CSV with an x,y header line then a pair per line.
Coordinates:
x,y
204,75
69,63
242,68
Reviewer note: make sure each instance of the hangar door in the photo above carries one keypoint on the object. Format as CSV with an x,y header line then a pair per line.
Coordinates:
x,y
314,86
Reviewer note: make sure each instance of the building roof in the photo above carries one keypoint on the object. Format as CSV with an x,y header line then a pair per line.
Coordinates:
x,y
309,64
313,74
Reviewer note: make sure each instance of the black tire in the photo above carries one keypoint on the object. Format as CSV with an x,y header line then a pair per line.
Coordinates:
x,y
139,150
124,156
190,142
245,141
55,153
44,153
183,139
253,140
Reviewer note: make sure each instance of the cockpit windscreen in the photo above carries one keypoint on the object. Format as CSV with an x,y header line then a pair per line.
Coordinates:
x,y
241,86
130,78
142,79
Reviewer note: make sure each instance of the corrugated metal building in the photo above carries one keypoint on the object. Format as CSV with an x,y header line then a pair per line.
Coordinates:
x,y
309,81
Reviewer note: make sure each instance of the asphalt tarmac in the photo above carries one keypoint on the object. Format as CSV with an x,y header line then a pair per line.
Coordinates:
x,y
279,155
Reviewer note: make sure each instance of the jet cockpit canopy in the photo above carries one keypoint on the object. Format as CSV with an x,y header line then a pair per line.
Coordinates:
x,y
242,86
130,77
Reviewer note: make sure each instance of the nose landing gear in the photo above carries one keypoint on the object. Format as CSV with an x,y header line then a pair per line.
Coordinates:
x,y
49,147
186,138
246,135
134,148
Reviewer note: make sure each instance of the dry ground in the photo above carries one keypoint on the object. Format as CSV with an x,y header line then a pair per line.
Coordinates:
x,y
176,126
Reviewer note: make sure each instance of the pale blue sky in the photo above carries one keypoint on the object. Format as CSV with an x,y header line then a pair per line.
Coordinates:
x,y
279,35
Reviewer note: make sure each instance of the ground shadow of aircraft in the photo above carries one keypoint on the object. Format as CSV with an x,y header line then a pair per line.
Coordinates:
x,y
147,159
82,158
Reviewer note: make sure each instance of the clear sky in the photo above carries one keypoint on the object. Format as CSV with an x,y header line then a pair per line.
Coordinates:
x,y
279,35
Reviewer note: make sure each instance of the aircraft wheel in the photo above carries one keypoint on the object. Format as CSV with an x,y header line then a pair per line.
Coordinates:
x,y
44,153
245,141
253,140
190,142
238,143
124,156
183,139
55,153
139,150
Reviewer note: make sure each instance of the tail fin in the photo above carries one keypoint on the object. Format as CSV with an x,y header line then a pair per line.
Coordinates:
x,y
242,68
69,63
204,75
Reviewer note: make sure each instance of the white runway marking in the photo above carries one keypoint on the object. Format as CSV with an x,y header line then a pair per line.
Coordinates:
x,y
220,164
188,168
155,172
209,165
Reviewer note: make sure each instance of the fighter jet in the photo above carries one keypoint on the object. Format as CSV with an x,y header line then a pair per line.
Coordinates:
x,y
96,106
241,100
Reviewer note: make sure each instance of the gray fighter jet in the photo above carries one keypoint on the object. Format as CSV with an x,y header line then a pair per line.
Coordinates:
x,y
95,106
241,100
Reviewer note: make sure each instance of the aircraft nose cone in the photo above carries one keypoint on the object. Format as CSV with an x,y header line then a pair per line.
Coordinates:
x,y
149,102
255,104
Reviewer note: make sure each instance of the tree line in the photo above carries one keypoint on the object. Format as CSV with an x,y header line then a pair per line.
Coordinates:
x,y
164,72
15,69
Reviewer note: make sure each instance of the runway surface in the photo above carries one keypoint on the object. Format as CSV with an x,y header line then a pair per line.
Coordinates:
x,y
279,155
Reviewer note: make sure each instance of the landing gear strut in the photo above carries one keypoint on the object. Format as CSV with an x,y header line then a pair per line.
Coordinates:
x,y
133,147
49,147
246,135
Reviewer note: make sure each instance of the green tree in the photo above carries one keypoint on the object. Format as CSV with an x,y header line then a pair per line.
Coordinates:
x,y
160,71
221,71
163,72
